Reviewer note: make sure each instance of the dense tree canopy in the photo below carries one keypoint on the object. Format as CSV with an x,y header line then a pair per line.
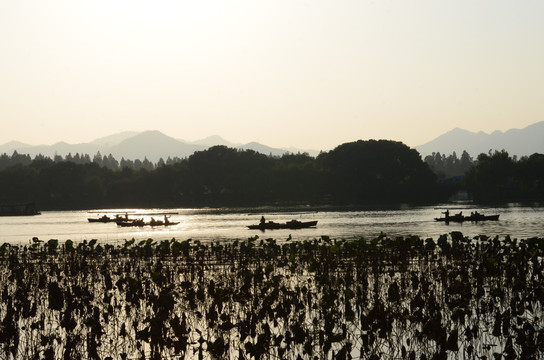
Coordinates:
x,y
499,177
362,172
377,171
449,166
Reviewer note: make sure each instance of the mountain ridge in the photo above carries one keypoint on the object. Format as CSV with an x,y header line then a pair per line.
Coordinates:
x,y
114,139
154,145
518,142
151,144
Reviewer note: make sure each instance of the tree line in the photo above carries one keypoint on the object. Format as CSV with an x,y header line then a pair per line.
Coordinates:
x,y
443,166
499,177
369,173
359,173
492,177
107,161
451,165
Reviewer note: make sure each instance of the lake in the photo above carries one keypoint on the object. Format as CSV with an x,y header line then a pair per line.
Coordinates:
x,y
209,225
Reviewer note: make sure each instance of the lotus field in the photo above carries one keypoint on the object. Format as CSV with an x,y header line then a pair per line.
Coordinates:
x,y
405,298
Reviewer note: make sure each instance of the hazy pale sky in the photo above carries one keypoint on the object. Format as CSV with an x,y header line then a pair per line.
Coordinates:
x,y
308,74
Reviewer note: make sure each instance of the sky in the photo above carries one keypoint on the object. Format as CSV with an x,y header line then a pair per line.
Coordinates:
x,y
304,74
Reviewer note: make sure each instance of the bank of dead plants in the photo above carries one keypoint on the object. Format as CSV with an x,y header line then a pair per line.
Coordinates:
x,y
411,298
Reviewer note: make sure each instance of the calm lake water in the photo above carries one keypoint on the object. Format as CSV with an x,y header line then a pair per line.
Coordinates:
x,y
227,224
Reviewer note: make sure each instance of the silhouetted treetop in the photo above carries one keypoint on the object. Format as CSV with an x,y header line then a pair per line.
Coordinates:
x,y
497,177
361,172
379,171
448,166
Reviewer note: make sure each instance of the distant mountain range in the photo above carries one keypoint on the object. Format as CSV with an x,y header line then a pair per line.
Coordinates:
x,y
152,145
520,142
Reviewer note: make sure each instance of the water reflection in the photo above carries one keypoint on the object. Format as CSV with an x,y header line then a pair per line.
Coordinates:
x,y
226,224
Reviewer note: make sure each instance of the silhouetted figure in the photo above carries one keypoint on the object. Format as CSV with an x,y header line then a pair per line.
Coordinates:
x,y
446,214
262,220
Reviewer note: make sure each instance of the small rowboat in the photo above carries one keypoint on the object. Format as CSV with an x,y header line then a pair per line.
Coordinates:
x,y
293,224
107,219
473,218
140,222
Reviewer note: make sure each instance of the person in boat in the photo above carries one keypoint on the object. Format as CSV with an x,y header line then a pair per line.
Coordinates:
x,y
262,220
166,221
446,214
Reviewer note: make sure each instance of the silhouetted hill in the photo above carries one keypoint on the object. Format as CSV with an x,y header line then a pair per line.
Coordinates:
x,y
9,147
255,146
214,140
114,139
153,145
520,142
60,148
263,149
131,145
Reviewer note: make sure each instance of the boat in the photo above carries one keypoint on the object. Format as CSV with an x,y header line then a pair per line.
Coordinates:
x,y
162,223
474,217
133,222
293,224
141,222
480,217
26,209
107,219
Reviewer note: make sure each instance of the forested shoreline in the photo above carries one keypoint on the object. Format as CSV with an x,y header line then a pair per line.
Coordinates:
x,y
357,173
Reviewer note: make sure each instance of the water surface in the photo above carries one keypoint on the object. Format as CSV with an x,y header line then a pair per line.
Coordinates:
x,y
227,224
